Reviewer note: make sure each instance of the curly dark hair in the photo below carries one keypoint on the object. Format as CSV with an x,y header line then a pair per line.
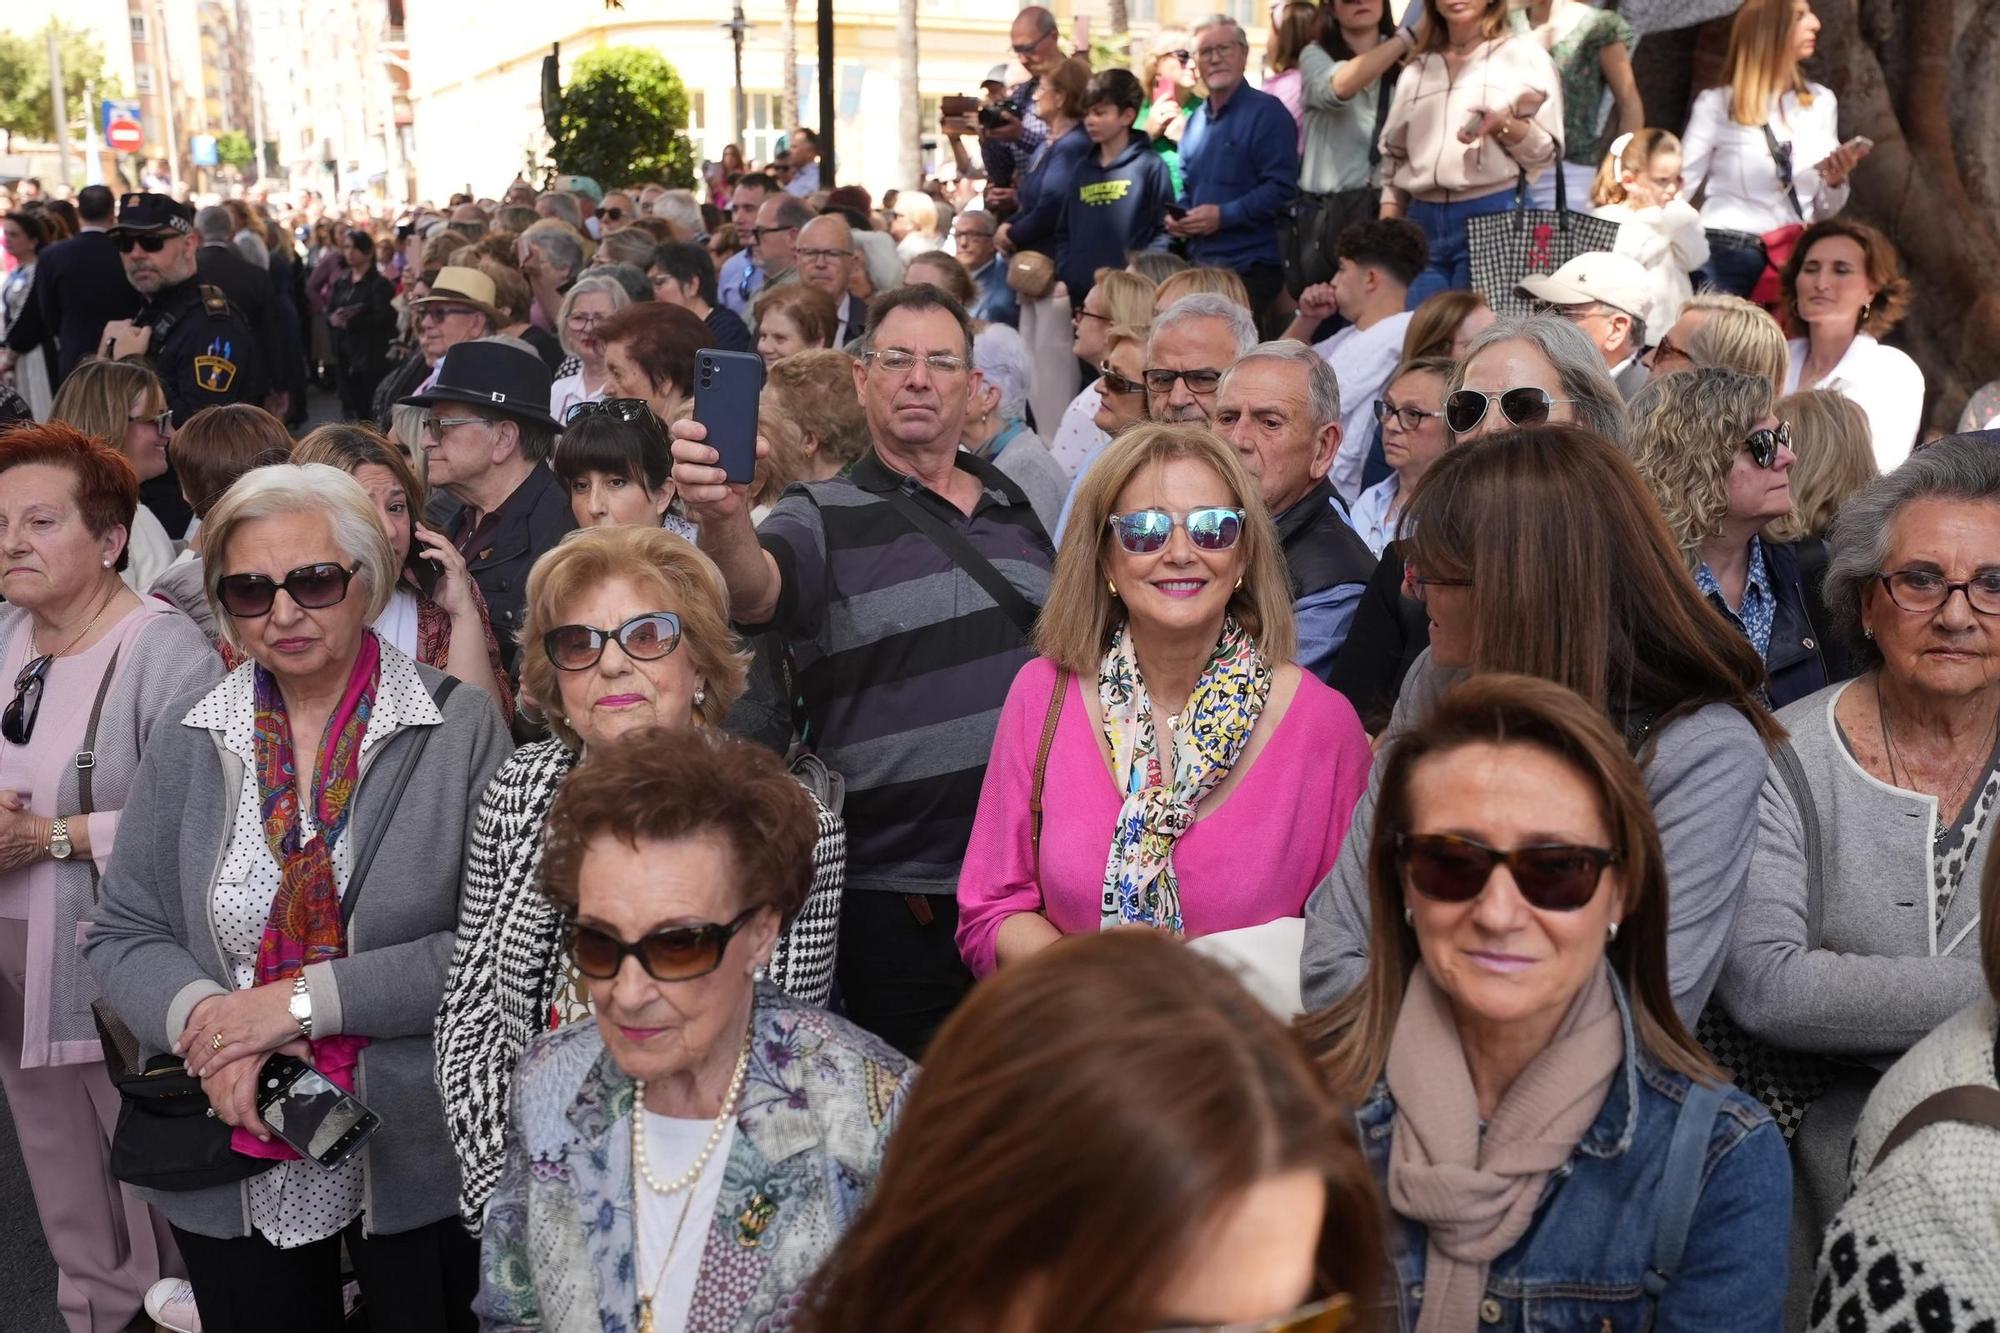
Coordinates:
x,y
1885,273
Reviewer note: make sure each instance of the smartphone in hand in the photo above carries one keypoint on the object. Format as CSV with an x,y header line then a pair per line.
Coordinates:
x,y
311,1113
726,386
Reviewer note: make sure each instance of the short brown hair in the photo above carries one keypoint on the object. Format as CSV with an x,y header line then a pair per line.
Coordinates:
x,y
349,445
957,280
689,584
219,444
1068,80
1434,323
1879,258
808,307
643,786
106,487
661,338
817,388
96,397
510,289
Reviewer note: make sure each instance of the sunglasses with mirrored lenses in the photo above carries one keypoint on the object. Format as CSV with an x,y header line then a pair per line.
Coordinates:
x,y
1144,531
679,953
17,724
1328,1316
645,638
631,411
312,587
1524,406
1764,444
1552,877
151,242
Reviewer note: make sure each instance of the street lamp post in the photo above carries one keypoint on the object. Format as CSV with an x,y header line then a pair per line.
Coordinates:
x,y
736,26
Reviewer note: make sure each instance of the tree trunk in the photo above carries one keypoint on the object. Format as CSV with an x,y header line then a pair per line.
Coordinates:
x,y
909,150
1121,29
790,38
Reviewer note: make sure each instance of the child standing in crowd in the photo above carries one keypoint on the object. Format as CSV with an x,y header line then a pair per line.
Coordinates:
x,y
1122,190
1639,187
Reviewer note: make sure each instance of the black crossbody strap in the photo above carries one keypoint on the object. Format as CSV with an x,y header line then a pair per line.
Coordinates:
x,y
1383,86
953,543
1781,159
365,856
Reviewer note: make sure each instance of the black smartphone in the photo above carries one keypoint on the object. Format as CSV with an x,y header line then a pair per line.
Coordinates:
x,y
1176,212
312,1114
726,385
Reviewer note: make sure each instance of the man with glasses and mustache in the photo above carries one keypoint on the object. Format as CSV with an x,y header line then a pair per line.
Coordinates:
x,y
741,278
903,661
828,260
458,307
1005,148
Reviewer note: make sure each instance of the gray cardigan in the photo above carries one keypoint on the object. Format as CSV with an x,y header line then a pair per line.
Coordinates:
x,y
1881,977
155,951
1702,776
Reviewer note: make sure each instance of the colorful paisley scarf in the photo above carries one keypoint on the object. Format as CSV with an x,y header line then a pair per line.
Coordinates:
x,y
1140,887
305,926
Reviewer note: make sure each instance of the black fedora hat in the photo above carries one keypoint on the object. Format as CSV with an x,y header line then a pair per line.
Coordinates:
x,y
508,380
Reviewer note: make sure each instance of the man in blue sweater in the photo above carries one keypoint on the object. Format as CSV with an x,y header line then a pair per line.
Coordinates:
x,y
1121,193
1239,167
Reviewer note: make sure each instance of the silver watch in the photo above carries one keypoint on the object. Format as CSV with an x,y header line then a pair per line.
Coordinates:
x,y
60,847
301,1006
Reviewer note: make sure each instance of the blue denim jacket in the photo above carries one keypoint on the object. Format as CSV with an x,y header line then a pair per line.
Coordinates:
x,y
1580,1266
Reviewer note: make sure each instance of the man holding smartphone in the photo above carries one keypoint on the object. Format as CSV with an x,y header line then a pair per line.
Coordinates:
x,y
1008,145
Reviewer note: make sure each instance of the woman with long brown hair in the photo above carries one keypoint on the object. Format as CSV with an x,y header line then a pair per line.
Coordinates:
x,y
1519,577
1158,1199
1530,1101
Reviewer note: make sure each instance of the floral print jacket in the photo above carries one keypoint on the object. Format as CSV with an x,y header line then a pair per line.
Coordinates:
x,y
820,1098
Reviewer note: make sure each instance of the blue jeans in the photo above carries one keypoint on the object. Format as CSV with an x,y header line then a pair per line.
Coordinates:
x,y
1733,269
1450,266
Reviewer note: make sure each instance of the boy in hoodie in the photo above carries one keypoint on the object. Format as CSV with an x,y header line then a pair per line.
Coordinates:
x,y
1122,191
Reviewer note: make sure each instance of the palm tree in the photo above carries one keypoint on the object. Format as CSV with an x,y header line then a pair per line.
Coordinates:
x,y
1121,29
909,149
790,32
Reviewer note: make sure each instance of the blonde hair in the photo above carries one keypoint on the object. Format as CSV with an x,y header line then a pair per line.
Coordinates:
x,y
785,462
299,488
1738,336
1128,297
1118,334
1199,281
1633,153
919,210
96,398
1836,454
1081,615
1762,63
688,583
1687,429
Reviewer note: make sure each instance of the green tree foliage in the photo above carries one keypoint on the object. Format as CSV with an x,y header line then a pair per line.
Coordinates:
x,y
24,80
621,120
232,149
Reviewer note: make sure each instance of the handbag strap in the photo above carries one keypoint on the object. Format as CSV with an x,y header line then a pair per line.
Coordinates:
x,y
1383,87
357,875
1781,159
1793,775
86,758
1049,721
967,557
1680,1189
1969,1104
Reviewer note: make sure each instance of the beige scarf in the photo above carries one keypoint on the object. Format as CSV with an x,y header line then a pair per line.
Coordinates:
x,y
1476,1194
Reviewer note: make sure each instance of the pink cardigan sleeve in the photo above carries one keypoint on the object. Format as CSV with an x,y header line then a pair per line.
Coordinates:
x,y
997,879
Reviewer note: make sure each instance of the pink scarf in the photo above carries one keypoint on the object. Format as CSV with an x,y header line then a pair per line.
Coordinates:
x,y
1476,1193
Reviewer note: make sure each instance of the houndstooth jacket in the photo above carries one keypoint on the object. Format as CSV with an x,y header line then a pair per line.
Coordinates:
x,y
509,967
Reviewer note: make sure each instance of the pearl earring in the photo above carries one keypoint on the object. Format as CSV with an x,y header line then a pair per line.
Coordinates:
x,y
700,695
1409,916
1611,933
107,564
1867,633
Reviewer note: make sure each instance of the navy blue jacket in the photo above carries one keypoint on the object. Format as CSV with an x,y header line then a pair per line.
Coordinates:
x,y
1111,211
1245,159
1043,187
80,286
1803,658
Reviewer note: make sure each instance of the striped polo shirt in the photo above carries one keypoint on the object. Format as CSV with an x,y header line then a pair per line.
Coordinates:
x,y
903,659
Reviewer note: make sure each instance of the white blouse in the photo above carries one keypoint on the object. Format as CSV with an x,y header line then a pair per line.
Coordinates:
x,y
1744,190
1884,383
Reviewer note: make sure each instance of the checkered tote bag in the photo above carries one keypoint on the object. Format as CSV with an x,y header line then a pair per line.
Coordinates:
x,y
1507,247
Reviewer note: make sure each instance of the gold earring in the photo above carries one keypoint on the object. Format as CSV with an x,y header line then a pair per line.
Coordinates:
x,y
1239,580
1114,587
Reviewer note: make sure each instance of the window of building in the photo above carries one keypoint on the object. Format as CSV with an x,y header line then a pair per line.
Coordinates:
x,y
142,78
139,28
763,114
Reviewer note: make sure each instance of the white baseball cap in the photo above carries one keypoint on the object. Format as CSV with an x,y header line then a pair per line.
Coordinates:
x,y
1600,276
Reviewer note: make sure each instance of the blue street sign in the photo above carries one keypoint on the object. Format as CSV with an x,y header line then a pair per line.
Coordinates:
x,y
204,151
116,111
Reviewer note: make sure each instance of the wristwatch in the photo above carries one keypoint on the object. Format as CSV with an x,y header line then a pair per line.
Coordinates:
x,y
60,846
301,1006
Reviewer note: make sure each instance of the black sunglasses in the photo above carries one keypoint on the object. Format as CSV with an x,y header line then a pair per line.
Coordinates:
x,y
1114,383
152,242
645,638
679,953
17,724
1764,444
627,410
313,587
1523,407
611,214
1552,877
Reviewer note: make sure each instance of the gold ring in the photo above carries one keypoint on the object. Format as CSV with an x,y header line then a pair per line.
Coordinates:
x,y
215,1042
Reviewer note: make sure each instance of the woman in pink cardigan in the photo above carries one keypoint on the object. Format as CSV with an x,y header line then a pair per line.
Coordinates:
x,y
1193,778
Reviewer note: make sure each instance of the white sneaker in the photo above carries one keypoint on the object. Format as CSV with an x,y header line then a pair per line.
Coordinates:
x,y
170,1302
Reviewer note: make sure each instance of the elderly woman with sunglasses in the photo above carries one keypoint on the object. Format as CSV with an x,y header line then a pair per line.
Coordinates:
x,y
1206,781
1556,1150
287,879
1528,370
1859,932
627,627
1719,461
92,667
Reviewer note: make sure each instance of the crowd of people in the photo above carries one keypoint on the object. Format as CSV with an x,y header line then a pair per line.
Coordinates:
x,y
1215,775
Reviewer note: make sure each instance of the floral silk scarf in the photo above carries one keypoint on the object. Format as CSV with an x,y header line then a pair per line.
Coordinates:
x,y
305,925
1140,887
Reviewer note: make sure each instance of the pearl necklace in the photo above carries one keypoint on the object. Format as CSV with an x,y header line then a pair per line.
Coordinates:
x,y
641,1170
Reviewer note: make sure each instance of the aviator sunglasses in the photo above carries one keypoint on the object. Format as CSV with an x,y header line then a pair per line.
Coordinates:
x,y
1552,876
1144,531
678,953
1524,406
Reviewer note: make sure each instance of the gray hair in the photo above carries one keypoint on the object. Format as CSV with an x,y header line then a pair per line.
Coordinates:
x,y
1207,305
585,285
300,488
878,255
1219,21
1322,385
678,210
1001,357
213,223
562,204
638,287
559,245
1595,402
1958,467
251,246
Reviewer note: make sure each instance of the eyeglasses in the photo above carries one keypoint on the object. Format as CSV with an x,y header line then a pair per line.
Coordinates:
x,y
631,411
1522,406
1925,590
312,587
1329,1316
578,321
1576,314
1211,54
152,242
759,233
1114,383
1080,314
1663,349
17,724
1414,583
1201,383
643,638
435,426
1552,876
611,214
897,361
163,422
965,234
1031,47
679,953
1409,418
1185,57
437,313
1764,444
1144,531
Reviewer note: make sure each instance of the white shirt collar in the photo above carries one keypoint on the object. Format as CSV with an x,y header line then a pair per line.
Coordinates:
x,y
401,700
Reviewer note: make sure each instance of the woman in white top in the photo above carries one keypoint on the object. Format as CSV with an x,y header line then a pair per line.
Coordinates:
x,y
1411,412
594,299
1844,289
1765,143
123,404
1639,187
